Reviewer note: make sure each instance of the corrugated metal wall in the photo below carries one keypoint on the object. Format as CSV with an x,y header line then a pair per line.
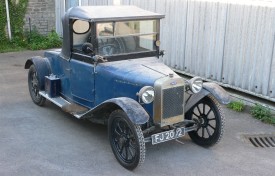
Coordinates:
x,y
230,42
227,41
59,12
248,49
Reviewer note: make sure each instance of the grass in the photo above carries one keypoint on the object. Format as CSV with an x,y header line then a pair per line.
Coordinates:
x,y
37,41
258,111
31,41
9,47
262,113
236,106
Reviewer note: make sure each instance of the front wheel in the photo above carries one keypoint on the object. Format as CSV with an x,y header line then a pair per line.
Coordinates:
x,y
126,140
209,117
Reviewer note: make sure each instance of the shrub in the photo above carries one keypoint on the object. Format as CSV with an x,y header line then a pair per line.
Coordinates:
x,y
38,41
32,41
262,113
236,106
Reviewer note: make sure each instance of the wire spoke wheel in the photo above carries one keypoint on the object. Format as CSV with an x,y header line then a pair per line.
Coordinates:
x,y
33,84
209,116
126,140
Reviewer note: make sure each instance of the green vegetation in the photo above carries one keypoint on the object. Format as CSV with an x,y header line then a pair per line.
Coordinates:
x,y
22,40
7,46
37,41
17,13
262,113
33,41
236,106
258,111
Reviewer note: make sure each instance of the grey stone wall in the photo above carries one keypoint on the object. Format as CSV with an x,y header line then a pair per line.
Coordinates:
x,y
42,15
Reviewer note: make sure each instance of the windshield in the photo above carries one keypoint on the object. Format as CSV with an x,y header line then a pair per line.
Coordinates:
x,y
125,37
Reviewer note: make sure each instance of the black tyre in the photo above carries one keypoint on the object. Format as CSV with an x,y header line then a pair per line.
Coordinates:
x,y
126,140
207,112
34,87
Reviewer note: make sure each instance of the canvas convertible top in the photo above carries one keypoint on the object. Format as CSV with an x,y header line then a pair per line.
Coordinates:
x,y
110,13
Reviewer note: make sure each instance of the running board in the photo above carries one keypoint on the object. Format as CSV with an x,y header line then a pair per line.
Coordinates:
x,y
72,108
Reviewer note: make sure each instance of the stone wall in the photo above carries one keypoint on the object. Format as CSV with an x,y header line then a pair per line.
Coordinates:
x,y
42,15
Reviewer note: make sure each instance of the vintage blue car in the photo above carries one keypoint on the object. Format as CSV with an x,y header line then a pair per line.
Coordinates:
x,y
109,71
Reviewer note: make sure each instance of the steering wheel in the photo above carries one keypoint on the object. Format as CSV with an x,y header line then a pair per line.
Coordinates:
x,y
108,47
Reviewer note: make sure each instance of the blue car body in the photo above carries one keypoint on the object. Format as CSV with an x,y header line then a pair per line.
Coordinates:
x,y
108,71
89,85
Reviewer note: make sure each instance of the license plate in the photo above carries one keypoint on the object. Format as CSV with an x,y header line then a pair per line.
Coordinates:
x,y
168,135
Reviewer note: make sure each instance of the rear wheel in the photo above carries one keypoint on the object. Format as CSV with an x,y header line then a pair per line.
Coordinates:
x,y
209,116
34,87
126,140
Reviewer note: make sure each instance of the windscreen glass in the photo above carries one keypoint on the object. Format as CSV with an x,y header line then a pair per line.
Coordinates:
x,y
124,37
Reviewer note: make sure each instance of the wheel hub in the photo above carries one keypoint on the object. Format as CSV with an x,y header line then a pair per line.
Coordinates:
x,y
123,140
34,81
203,120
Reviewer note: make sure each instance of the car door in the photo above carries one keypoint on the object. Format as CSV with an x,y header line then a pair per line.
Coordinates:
x,y
82,82
81,67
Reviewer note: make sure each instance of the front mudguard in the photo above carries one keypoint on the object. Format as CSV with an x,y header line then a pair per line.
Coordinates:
x,y
132,108
208,88
42,67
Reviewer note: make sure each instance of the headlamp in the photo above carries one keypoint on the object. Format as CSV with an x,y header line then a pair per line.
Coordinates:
x,y
195,85
146,94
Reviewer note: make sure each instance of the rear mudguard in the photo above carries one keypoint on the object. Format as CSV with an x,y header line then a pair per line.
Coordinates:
x,y
132,108
208,88
42,67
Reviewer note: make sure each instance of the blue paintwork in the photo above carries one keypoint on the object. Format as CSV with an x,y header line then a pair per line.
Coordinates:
x,y
82,82
61,68
42,68
90,87
94,86
125,78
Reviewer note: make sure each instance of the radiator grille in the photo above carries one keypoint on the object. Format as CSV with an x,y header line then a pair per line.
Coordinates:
x,y
173,102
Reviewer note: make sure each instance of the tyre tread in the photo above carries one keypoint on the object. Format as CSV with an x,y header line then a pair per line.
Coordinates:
x,y
137,128
221,118
215,139
41,101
